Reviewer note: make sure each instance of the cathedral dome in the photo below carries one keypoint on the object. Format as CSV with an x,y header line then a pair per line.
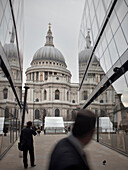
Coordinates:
x,y
10,49
49,52
85,54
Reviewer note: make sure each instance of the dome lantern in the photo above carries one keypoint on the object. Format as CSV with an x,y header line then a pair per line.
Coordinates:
x,y
12,35
49,37
88,40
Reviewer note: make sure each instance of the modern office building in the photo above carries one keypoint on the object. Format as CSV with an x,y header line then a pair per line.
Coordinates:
x,y
50,92
107,22
11,58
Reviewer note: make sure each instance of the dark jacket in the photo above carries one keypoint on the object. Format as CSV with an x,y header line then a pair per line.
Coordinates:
x,y
66,157
26,137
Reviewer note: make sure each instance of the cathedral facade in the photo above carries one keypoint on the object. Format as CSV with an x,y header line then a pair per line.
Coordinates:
x,y
51,92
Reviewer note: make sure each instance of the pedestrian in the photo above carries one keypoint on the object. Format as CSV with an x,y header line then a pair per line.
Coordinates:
x,y
26,139
68,153
34,128
38,131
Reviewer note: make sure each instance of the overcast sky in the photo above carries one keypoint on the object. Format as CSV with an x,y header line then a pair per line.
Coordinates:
x,y
65,17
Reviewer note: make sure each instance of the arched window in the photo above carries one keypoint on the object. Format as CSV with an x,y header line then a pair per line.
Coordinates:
x,y
57,94
6,113
5,93
85,95
68,115
57,113
37,76
41,77
45,95
37,100
15,113
101,101
102,113
73,101
73,115
37,114
44,112
67,96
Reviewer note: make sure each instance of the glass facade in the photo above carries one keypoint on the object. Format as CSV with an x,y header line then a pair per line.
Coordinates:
x,y
107,22
11,65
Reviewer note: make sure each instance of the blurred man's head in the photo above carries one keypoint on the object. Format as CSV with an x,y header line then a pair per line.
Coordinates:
x,y
29,123
84,125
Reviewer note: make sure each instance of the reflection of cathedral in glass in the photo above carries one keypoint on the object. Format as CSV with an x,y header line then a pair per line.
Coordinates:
x,y
105,102
51,90
11,68
9,103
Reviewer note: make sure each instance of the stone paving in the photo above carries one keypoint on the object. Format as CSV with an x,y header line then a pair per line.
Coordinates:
x,y
44,144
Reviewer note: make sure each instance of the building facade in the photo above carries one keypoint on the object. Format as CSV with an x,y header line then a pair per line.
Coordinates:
x,y
11,57
107,21
51,92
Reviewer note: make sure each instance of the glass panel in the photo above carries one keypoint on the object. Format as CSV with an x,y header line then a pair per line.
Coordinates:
x,y
92,12
114,22
95,3
94,29
100,50
113,51
1,12
103,64
120,42
121,9
125,26
120,85
107,3
4,3
3,30
104,42
108,33
7,12
89,2
100,13
107,60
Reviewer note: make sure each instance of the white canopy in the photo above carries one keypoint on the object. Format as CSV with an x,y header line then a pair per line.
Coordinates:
x,y
1,125
54,125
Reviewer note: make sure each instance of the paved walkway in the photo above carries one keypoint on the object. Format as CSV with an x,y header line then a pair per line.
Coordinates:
x,y
43,145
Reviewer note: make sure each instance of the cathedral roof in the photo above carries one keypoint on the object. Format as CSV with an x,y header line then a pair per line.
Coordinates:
x,y
85,54
10,49
49,52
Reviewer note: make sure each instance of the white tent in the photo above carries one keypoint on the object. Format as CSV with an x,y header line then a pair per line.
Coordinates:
x,y
105,124
1,125
54,125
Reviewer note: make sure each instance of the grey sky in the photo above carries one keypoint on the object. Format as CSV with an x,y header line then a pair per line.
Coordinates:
x,y
65,17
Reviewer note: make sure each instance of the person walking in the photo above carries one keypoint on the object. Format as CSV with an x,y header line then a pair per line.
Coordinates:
x,y
26,139
38,131
68,153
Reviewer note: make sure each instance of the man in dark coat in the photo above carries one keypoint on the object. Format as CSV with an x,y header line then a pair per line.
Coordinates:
x,y
26,139
68,154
